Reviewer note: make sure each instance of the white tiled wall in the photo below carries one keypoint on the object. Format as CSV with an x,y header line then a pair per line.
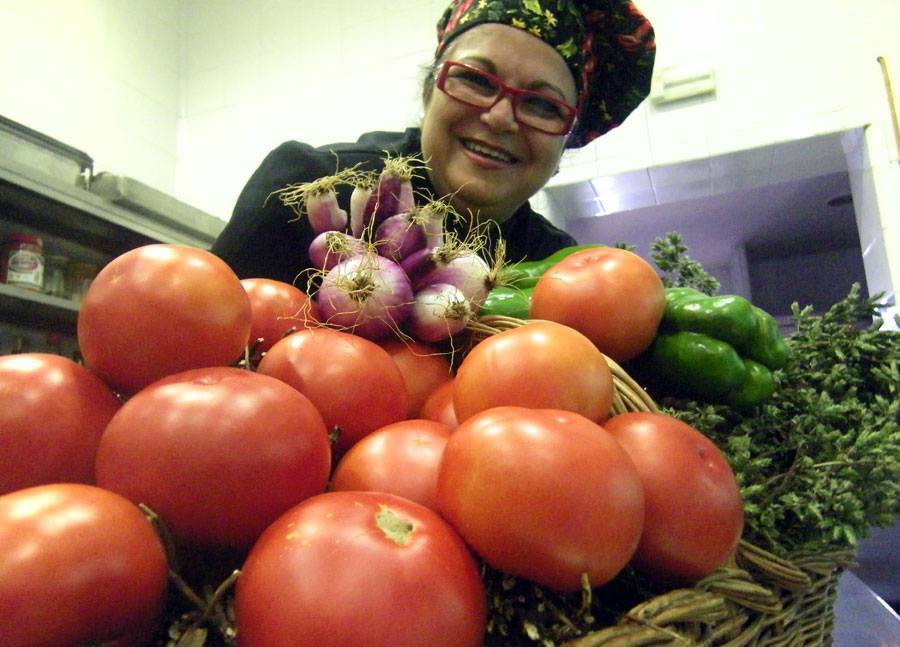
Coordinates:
x,y
99,75
312,71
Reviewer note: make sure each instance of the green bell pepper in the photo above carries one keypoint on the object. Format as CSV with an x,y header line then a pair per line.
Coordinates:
x,y
758,386
727,317
698,363
766,345
718,347
526,273
507,301
512,297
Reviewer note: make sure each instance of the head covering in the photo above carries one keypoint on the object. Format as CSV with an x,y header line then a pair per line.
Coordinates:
x,y
607,44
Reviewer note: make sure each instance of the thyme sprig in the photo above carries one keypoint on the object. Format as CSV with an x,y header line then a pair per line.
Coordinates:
x,y
678,269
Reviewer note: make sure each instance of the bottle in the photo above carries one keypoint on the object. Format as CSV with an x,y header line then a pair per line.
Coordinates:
x,y
23,262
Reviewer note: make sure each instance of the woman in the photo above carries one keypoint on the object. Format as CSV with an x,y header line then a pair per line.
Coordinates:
x,y
513,83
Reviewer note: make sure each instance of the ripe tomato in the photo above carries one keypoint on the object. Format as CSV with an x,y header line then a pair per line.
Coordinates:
x,y
161,309
360,568
352,381
542,365
78,565
542,494
694,514
52,414
424,368
277,307
611,295
218,453
402,459
439,405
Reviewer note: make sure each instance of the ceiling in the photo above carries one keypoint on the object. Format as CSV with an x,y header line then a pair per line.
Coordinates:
x,y
773,201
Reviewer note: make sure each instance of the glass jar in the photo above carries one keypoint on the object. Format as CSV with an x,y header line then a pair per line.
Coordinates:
x,y
55,275
79,279
23,262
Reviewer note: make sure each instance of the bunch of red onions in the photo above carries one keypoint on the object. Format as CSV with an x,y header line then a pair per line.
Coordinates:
x,y
389,267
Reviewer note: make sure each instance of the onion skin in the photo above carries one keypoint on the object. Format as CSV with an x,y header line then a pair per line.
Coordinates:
x,y
469,272
398,237
391,196
358,201
419,264
331,247
324,213
438,312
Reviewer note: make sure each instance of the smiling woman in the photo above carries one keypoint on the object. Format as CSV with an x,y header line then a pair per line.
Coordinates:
x,y
512,84
490,155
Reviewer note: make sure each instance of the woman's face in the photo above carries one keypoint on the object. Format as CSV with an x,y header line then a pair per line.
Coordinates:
x,y
489,161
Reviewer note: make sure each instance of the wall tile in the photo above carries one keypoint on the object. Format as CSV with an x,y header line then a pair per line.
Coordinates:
x,y
632,136
694,152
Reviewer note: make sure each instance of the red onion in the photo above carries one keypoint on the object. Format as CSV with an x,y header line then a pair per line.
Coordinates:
x,y
368,295
324,213
331,247
460,267
399,236
393,193
439,311
358,201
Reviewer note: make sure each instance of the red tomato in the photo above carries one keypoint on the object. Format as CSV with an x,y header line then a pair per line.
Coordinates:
x,y
159,310
277,308
52,414
612,296
402,459
542,494
352,381
218,453
694,514
424,368
542,365
360,568
78,565
439,405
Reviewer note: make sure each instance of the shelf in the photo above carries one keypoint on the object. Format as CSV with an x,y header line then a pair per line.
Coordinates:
x,y
41,201
27,307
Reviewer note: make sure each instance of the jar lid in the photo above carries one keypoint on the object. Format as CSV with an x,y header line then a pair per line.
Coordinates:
x,y
24,238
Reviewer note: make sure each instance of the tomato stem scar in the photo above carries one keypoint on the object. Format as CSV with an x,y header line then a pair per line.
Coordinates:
x,y
393,527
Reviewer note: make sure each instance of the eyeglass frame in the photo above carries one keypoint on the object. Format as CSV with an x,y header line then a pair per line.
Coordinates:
x,y
506,90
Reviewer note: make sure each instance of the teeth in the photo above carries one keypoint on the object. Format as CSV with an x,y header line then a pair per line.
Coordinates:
x,y
493,153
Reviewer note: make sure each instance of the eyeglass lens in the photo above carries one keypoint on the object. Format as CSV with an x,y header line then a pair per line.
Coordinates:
x,y
530,108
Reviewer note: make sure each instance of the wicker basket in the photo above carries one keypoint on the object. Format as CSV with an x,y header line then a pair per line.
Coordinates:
x,y
755,599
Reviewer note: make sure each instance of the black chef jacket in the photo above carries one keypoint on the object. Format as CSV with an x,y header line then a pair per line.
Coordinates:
x,y
264,239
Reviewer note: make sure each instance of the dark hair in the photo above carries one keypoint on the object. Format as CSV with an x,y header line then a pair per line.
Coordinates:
x,y
429,74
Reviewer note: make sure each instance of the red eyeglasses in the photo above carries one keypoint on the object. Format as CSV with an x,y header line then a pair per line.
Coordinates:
x,y
479,89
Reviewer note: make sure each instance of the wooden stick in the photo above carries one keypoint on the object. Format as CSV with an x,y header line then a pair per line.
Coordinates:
x,y
890,96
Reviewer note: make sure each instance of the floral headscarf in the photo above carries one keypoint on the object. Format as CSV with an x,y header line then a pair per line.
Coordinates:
x,y
607,44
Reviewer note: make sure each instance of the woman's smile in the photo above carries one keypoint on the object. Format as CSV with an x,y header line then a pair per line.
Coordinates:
x,y
486,155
